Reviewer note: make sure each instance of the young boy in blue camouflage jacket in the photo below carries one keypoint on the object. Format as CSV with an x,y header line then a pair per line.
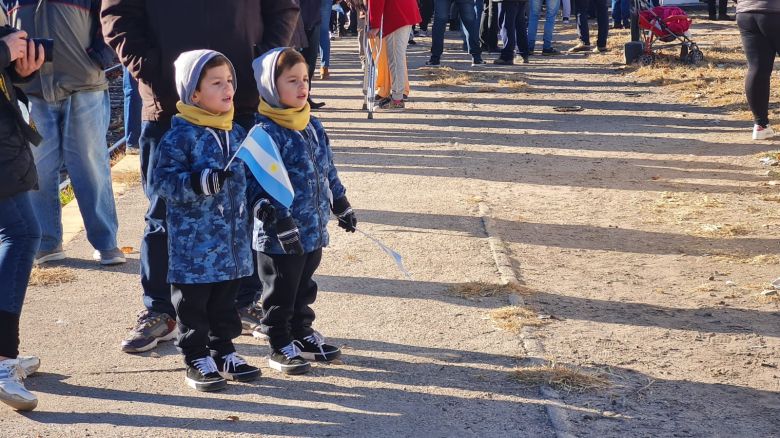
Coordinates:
x,y
208,220
290,241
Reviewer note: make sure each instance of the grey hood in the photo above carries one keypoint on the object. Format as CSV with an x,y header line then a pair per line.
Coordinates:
x,y
265,70
189,66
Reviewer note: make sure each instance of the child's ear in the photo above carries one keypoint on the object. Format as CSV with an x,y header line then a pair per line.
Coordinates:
x,y
195,97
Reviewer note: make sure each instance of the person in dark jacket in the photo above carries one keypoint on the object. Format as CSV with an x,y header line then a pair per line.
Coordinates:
x,y
759,25
20,234
148,35
290,240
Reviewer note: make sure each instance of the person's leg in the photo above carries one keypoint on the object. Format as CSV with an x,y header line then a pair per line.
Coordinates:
x,y
48,161
396,60
549,23
85,121
582,21
602,19
303,314
132,110
760,52
281,276
192,317
712,9
224,322
440,19
20,236
511,10
566,5
311,51
325,10
426,11
470,26
521,30
534,9
617,20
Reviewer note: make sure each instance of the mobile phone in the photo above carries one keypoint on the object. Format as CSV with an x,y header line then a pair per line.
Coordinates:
x,y
48,48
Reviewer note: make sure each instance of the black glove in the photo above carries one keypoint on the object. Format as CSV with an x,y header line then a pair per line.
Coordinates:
x,y
265,212
345,215
209,181
289,236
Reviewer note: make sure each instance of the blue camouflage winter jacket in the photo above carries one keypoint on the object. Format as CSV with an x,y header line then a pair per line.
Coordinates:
x,y
208,236
309,161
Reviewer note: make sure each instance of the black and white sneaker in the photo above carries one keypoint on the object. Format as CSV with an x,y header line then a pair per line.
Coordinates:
x,y
288,360
234,367
202,374
313,347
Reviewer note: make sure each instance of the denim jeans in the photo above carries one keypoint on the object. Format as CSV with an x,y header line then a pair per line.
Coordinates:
x,y
74,133
132,108
513,29
325,10
19,239
154,245
549,22
470,26
602,18
621,12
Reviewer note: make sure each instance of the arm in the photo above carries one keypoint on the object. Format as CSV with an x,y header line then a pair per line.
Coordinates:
x,y
334,182
98,50
125,29
172,175
377,9
279,20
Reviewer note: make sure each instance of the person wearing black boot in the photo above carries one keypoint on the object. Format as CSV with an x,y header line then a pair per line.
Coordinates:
x,y
722,6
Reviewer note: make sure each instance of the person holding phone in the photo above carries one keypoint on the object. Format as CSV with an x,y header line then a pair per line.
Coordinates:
x,y
19,231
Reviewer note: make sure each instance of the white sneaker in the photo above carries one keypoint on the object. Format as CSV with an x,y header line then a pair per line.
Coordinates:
x,y
29,364
760,133
113,256
12,390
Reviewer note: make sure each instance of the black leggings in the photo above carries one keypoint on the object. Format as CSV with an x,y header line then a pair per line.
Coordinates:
x,y
761,40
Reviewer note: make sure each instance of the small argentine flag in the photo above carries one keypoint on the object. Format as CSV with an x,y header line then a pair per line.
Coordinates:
x,y
261,155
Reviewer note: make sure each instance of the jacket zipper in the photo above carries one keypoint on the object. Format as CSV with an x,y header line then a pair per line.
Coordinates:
x,y
317,176
229,193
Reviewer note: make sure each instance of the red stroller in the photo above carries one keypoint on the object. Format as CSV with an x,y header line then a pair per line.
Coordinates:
x,y
667,24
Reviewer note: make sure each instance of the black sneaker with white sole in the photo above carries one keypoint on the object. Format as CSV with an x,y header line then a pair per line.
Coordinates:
x,y
202,374
234,367
288,360
313,347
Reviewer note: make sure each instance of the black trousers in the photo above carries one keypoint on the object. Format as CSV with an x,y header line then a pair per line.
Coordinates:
x,y
489,26
207,318
312,50
426,12
721,8
602,19
514,28
288,293
761,41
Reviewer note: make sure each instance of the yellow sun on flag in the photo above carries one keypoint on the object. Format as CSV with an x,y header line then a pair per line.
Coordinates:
x,y
274,168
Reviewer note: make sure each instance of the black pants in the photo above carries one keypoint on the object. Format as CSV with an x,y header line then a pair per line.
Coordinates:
x,y
721,8
310,53
426,11
489,26
288,292
207,318
514,28
602,19
761,41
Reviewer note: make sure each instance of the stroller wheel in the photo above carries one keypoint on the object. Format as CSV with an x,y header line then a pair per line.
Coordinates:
x,y
695,56
647,59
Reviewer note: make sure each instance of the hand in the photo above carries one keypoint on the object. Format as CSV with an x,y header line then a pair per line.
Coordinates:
x,y
345,215
265,212
373,33
17,44
29,64
289,236
209,181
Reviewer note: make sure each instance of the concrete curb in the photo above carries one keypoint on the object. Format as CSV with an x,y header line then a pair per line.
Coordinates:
x,y
558,416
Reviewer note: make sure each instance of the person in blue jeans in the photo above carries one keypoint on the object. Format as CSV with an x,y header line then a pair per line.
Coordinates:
x,y
132,111
325,10
621,14
514,32
602,18
70,106
549,25
20,234
470,26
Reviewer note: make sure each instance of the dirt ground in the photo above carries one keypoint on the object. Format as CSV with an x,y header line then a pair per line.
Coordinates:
x,y
643,230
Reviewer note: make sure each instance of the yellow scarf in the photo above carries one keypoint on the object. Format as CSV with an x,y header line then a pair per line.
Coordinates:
x,y
198,116
290,118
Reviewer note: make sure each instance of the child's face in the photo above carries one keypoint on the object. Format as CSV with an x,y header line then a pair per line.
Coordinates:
x,y
215,93
293,86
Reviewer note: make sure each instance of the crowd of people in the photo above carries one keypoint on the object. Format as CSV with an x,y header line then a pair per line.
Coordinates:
x,y
219,254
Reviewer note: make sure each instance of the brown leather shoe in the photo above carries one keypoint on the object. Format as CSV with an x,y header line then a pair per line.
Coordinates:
x,y
324,73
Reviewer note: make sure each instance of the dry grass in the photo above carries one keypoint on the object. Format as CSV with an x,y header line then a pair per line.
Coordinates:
x,y
561,377
486,89
513,86
724,230
127,178
476,289
761,259
51,276
445,77
514,318
681,208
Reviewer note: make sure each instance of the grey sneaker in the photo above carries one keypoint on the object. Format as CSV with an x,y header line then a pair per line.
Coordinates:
x,y
29,364
580,47
113,256
151,328
49,256
12,390
250,320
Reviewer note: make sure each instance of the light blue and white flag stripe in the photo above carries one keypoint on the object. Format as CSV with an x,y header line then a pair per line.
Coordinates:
x,y
261,155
